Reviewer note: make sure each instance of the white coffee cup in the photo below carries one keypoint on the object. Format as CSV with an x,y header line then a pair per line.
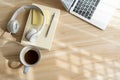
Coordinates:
x,y
29,56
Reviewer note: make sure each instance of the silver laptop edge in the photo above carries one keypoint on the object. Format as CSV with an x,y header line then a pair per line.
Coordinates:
x,y
67,4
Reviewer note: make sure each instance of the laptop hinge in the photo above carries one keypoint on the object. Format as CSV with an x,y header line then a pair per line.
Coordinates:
x,y
72,4
67,4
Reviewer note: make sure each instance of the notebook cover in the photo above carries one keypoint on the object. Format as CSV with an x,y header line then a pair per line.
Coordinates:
x,y
42,42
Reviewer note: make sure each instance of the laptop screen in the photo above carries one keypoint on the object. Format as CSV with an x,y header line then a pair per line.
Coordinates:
x,y
67,4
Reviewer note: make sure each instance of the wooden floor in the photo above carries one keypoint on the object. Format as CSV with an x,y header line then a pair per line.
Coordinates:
x,y
79,51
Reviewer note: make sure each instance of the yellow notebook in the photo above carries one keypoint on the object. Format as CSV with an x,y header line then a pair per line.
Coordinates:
x,y
35,20
37,17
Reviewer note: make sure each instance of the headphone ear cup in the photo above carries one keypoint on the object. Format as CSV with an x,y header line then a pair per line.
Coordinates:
x,y
34,37
30,33
13,26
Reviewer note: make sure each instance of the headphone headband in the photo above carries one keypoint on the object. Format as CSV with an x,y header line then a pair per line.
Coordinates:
x,y
23,8
27,7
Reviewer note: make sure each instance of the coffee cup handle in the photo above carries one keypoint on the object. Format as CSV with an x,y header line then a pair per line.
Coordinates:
x,y
14,67
26,68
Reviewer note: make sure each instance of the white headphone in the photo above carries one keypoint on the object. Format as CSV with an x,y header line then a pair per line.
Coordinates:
x,y
13,24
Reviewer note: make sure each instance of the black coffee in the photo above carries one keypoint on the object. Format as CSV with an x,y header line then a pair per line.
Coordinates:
x,y
31,57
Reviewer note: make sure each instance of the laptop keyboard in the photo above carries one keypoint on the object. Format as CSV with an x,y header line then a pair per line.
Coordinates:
x,y
86,8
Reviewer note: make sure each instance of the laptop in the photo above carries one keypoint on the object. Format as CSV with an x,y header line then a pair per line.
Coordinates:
x,y
95,12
